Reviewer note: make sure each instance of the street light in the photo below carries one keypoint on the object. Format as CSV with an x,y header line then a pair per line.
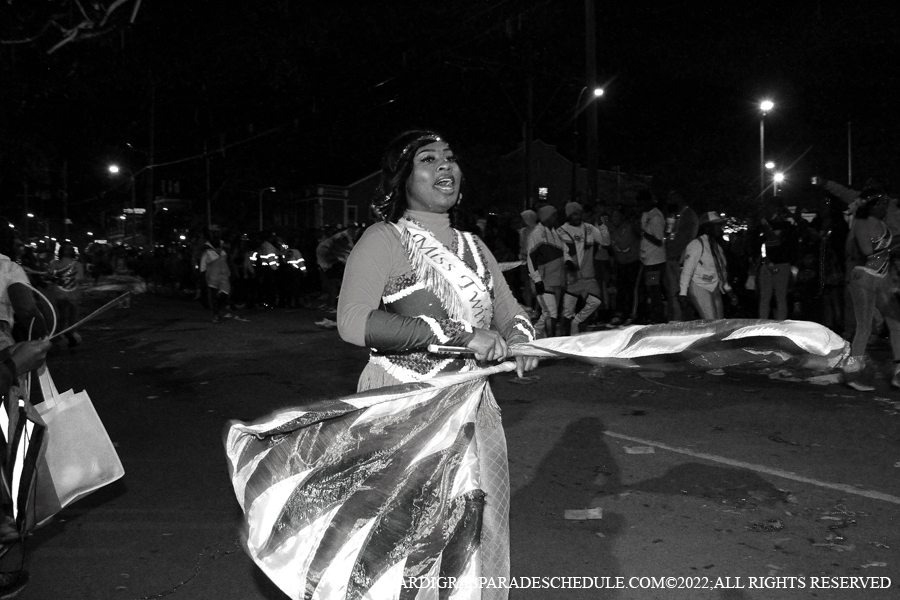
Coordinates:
x,y
597,92
764,107
261,193
776,180
115,170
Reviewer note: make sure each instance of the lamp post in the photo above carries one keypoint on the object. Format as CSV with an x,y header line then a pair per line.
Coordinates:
x,y
261,193
598,91
764,107
115,170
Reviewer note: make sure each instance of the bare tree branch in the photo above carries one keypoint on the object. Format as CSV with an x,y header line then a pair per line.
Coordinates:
x,y
73,19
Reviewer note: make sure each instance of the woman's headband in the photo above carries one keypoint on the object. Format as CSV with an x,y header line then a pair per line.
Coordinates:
x,y
430,137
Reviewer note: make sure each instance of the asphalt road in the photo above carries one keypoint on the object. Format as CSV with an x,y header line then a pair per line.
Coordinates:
x,y
745,486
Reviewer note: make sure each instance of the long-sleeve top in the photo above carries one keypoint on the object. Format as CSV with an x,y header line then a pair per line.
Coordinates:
x,y
546,253
582,242
700,267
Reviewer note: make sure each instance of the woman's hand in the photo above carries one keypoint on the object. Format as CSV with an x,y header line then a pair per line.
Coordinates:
x,y
734,297
28,356
488,345
525,363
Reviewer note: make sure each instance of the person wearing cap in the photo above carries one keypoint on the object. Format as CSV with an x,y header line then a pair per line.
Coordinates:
x,y
581,240
545,261
704,275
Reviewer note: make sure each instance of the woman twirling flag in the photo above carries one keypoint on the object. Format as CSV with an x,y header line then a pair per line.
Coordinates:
x,y
404,487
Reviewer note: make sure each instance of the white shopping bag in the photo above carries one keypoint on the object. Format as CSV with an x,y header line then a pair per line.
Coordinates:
x,y
79,455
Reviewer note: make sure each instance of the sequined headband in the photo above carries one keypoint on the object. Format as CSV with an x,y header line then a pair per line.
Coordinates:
x,y
429,136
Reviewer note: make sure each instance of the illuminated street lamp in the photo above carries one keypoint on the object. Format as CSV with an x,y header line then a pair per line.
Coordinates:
x,y
115,170
764,107
261,193
597,93
770,165
777,179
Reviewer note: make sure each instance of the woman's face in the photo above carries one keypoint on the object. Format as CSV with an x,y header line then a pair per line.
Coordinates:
x,y
433,185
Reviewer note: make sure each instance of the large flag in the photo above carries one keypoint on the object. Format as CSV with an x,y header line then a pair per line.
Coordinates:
x,y
378,495
372,495
693,345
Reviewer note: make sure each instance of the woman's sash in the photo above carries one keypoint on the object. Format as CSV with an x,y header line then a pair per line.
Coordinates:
x,y
463,294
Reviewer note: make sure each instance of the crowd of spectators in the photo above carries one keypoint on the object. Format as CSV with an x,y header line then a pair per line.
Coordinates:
x,y
644,261
657,262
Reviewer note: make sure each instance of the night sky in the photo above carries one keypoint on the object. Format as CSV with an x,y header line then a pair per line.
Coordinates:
x,y
295,93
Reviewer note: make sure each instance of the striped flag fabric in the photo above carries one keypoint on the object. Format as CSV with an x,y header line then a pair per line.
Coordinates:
x,y
27,485
700,345
366,496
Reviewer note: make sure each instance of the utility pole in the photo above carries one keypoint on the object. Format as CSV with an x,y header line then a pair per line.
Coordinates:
x,y
850,153
25,206
590,25
151,205
529,127
65,199
208,196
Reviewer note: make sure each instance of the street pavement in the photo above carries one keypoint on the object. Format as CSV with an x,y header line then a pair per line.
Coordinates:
x,y
742,485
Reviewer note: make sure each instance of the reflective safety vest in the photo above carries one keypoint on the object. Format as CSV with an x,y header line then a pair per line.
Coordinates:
x,y
269,259
295,259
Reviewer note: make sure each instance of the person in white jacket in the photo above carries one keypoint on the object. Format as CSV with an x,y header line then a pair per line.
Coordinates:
x,y
545,260
704,274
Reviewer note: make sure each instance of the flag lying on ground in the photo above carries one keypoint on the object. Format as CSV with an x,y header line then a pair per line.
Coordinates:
x,y
353,497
